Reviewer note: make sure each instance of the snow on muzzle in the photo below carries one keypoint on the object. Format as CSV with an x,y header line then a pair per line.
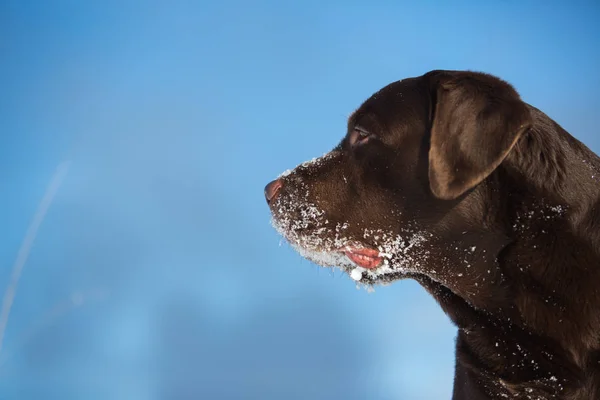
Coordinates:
x,y
374,255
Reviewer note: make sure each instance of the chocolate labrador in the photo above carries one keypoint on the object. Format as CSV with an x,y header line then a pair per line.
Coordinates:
x,y
452,180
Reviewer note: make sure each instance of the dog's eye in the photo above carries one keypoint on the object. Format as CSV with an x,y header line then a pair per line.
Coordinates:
x,y
358,137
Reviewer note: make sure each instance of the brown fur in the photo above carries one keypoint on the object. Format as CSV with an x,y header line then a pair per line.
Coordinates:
x,y
510,203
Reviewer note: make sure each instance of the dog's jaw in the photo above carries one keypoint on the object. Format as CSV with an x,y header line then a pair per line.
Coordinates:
x,y
317,237
314,237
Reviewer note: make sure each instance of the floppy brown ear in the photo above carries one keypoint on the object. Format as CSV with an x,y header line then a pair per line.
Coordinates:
x,y
477,120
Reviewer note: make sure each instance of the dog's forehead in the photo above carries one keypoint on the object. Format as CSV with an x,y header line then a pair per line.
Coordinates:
x,y
399,105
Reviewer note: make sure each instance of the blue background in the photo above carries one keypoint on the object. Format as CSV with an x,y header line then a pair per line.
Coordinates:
x,y
156,273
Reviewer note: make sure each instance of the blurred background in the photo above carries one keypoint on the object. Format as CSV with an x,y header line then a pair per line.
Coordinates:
x,y
155,273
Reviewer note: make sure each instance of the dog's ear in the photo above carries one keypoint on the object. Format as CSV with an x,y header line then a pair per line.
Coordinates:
x,y
476,121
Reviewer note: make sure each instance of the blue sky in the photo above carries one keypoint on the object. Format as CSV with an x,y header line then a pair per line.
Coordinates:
x,y
156,273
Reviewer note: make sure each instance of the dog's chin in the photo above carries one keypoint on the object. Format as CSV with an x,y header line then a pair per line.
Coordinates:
x,y
369,272
364,264
369,257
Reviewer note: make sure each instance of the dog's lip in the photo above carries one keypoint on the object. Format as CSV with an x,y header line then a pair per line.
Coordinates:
x,y
364,257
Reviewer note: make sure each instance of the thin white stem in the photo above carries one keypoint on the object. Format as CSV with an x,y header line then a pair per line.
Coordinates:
x,y
27,243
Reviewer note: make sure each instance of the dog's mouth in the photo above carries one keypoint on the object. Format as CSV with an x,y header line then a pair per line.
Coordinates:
x,y
364,257
368,255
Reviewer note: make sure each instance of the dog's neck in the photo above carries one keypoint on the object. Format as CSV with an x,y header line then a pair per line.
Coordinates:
x,y
557,182
551,167
545,278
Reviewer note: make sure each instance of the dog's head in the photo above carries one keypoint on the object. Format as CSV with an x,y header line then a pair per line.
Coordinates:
x,y
393,198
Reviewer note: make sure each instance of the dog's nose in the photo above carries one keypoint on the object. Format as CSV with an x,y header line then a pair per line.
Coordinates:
x,y
272,189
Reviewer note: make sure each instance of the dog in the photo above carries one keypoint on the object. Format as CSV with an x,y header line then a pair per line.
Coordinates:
x,y
452,180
